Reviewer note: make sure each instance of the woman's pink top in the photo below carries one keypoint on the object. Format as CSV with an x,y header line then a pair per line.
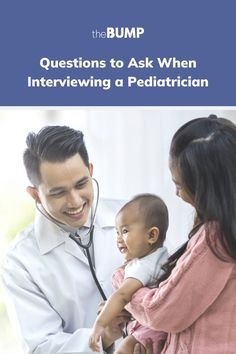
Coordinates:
x,y
196,305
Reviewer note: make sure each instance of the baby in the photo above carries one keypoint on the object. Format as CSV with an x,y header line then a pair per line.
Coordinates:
x,y
141,227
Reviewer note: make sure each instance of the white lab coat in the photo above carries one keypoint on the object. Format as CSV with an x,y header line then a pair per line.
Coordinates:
x,y
50,287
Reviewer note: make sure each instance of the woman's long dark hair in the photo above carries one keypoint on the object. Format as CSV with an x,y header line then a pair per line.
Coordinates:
x,y
204,153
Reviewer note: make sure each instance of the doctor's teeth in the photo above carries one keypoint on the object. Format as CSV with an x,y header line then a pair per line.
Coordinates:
x,y
73,212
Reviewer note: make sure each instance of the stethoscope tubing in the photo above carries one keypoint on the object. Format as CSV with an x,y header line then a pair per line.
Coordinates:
x,y
92,270
86,247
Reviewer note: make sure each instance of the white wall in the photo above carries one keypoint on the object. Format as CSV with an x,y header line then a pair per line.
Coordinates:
x,y
128,146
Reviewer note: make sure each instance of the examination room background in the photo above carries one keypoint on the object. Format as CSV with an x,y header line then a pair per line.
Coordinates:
x,y
129,149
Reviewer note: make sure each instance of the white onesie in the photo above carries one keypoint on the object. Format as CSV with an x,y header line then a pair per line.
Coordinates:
x,y
147,269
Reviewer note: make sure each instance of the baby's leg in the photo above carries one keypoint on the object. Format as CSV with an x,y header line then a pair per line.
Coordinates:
x,y
127,346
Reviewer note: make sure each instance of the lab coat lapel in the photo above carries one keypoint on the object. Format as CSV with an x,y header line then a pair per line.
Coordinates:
x,y
72,248
100,248
50,236
107,257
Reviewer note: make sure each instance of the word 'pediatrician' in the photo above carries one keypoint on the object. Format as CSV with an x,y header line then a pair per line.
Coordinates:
x,y
119,32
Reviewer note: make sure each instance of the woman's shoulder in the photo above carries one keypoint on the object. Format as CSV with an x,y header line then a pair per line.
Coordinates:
x,y
207,239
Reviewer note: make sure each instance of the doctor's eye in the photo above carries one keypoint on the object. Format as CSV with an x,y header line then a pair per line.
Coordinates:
x,y
57,194
82,183
125,231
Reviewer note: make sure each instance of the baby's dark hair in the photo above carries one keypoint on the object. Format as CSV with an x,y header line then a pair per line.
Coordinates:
x,y
153,211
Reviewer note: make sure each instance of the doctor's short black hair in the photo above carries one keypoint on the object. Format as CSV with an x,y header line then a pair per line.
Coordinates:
x,y
53,143
153,212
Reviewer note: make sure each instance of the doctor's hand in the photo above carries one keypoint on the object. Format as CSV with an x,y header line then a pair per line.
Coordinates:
x,y
94,339
115,329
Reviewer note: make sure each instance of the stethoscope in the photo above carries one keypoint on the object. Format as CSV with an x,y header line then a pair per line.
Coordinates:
x,y
86,248
77,240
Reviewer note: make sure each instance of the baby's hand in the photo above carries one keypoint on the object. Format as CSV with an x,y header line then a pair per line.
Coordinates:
x,y
94,339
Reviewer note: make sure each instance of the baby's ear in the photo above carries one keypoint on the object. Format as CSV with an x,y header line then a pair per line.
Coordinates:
x,y
153,234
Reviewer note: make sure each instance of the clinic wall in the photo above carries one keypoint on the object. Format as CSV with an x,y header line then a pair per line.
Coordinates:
x,y
128,147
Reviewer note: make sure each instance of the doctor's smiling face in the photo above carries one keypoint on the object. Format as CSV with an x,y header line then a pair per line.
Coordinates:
x,y
57,165
65,190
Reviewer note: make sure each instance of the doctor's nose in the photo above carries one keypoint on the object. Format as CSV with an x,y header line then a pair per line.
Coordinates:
x,y
74,200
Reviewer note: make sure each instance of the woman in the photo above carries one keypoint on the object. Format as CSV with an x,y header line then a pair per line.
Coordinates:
x,y
195,303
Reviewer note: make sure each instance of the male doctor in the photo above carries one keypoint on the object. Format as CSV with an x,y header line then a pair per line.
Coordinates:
x,y
47,276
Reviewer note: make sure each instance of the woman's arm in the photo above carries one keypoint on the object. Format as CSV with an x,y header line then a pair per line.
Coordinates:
x,y
193,286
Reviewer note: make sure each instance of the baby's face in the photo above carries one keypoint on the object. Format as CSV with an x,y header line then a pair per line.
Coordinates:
x,y
132,235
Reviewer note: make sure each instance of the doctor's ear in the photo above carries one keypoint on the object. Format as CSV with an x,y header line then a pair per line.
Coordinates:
x,y
153,234
33,193
91,169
